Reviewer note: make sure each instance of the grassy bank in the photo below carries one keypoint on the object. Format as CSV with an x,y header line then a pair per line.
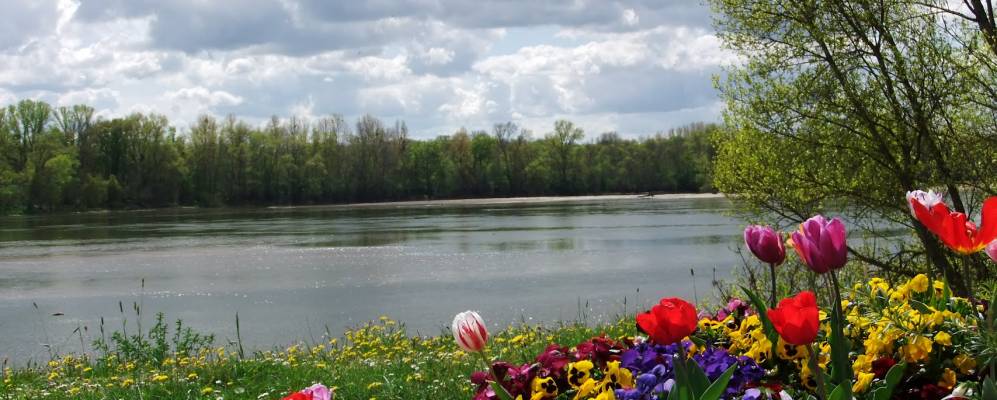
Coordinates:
x,y
375,361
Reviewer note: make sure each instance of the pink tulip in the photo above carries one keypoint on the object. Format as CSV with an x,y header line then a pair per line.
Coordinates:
x,y
927,199
820,243
765,243
469,331
991,250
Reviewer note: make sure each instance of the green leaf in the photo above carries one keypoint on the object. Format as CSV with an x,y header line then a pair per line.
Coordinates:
x,y
893,378
698,381
500,391
842,392
841,367
682,389
716,390
919,306
767,326
989,389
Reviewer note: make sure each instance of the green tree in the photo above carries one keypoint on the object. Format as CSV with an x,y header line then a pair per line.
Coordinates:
x,y
848,105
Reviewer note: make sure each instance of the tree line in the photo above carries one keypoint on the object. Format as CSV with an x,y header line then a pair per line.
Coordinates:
x,y
66,158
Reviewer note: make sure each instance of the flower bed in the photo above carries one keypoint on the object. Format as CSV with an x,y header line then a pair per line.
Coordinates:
x,y
875,341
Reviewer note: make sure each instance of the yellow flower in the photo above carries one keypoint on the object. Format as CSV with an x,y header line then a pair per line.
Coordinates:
x,y
192,376
374,385
965,363
918,349
544,387
862,382
207,390
160,378
943,338
585,389
579,372
919,283
948,379
863,363
607,395
788,351
878,285
127,382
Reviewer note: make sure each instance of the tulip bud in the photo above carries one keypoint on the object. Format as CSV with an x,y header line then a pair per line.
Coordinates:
x,y
991,250
765,243
469,331
927,199
820,243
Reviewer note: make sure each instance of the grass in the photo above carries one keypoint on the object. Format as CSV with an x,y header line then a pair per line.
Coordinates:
x,y
378,360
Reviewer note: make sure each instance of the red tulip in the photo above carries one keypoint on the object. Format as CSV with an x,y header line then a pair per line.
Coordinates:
x,y
797,319
469,331
955,230
668,322
298,396
765,243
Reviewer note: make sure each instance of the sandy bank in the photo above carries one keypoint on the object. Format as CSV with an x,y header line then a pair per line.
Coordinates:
x,y
512,200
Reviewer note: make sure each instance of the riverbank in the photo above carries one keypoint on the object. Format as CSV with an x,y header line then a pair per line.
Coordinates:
x,y
378,360
508,200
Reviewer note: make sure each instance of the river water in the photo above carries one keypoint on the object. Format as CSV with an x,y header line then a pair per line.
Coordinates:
x,y
293,273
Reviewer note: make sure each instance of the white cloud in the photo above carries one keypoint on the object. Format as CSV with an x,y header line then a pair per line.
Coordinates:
x,y
204,96
630,65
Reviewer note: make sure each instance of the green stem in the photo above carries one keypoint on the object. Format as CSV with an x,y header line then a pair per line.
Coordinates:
x,y
818,374
774,287
494,384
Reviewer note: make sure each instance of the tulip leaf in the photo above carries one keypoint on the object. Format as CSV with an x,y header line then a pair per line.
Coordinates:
x,y
841,367
698,381
893,378
681,390
989,389
717,389
767,326
500,391
842,392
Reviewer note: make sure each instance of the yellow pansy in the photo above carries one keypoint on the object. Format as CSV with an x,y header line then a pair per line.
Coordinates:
x,y
579,372
544,387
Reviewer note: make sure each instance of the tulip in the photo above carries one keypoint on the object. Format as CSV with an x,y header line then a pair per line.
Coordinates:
x,y
820,243
797,318
955,230
927,199
317,391
668,322
991,250
470,332
765,243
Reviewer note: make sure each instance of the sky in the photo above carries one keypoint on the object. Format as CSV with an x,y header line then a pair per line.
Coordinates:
x,y
636,67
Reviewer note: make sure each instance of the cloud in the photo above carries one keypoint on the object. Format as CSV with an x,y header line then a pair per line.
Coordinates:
x,y
635,66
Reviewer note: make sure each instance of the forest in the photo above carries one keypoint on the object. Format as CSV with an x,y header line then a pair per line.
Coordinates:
x,y
66,158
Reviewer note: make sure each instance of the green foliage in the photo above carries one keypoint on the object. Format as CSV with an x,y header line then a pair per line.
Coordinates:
x,y
70,160
857,103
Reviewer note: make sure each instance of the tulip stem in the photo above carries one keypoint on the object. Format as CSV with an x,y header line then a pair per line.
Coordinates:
x,y
774,287
496,385
818,374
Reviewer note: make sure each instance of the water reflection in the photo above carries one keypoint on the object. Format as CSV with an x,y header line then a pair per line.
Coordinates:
x,y
288,272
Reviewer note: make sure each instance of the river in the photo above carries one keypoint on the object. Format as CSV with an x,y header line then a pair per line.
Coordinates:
x,y
293,273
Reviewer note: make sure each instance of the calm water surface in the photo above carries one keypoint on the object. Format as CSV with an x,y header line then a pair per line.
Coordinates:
x,y
291,273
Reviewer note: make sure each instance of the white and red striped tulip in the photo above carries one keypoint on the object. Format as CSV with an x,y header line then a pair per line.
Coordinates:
x,y
469,331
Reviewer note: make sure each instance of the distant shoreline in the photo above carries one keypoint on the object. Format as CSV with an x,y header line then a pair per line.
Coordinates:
x,y
506,200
